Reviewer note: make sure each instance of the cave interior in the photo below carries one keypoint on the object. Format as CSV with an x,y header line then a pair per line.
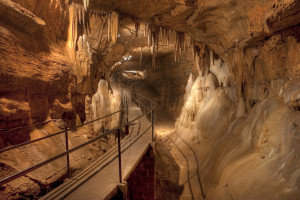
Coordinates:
x,y
223,76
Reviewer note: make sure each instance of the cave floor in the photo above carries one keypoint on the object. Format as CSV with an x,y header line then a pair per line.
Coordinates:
x,y
183,154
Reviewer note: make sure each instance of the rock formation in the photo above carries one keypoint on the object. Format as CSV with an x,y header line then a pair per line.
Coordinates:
x,y
227,72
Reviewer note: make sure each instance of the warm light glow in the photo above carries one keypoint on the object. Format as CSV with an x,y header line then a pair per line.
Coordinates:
x,y
127,57
164,131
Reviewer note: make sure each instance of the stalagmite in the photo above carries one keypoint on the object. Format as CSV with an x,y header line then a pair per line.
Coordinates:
x,y
103,103
83,59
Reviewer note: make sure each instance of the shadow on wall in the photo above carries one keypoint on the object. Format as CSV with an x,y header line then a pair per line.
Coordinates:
x,y
167,174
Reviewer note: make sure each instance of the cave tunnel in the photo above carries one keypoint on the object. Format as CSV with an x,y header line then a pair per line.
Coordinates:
x,y
151,99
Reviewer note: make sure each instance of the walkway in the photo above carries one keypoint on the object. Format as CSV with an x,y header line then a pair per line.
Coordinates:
x,y
102,177
184,155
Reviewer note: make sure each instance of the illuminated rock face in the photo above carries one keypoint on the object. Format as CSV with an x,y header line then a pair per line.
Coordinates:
x,y
83,59
104,103
234,146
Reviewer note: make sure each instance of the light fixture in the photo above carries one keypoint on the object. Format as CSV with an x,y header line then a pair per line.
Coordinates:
x,y
127,57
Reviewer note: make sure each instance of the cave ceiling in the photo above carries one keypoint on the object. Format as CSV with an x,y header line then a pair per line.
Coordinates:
x,y
219,24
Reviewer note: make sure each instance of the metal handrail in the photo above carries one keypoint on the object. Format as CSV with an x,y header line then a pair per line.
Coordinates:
x,y
146,98
26,171
153,105
55,134
24,127
67,152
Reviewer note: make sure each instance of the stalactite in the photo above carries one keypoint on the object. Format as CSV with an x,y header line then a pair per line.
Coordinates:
x,y
148,29
113,26
153,60
179,44
85,4
135,20
141,57
153,40
157,37
152,46
199,50
168,36
108,26
137,26
78,15
161,32
83,16
153,37
73,21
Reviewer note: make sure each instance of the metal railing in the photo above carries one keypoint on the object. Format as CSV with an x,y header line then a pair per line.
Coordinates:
x,y
136,98
117,129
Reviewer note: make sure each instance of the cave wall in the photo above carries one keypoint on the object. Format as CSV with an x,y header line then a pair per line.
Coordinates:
x,y
43,78
239,151
245,131
37,48
29,60
169,79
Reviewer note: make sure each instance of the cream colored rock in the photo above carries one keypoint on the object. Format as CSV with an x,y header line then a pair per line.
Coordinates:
x,y
104,103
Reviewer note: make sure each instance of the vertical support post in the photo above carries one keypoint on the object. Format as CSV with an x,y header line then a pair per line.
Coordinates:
x,y
67,149
121,110
119,152
127,110
152,122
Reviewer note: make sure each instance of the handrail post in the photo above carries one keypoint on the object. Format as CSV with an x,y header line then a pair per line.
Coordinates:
x,y
67,149
127,110
119,152
152,113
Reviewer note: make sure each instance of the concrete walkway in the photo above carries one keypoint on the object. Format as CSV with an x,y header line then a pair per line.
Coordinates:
x,y
102,177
